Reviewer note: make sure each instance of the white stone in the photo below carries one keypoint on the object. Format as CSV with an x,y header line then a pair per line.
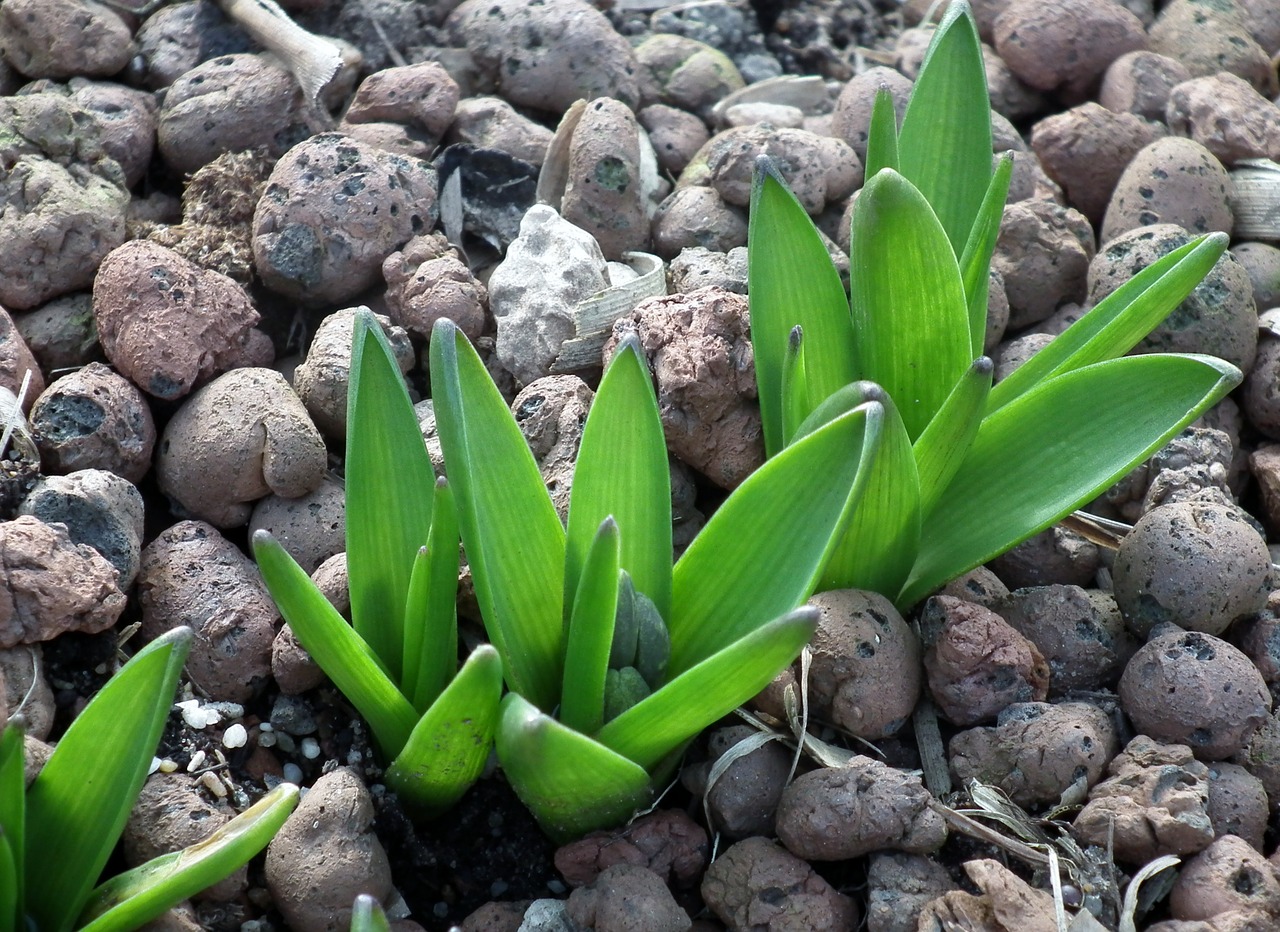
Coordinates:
x,y
235,736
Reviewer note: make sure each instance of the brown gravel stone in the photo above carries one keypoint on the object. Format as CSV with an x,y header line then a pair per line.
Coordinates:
x,y
1140,82
1007,903
1228,875
1173,180
1209,36
62,38
1053,44
627,898
422,95
755,884
665,841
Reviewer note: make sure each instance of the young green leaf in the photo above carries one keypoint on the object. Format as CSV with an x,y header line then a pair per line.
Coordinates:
x,y
975,263
648,731
944,146
431,612
882,135
13,820
792,281
909,310
879,545
622,472
1120,320
78,804
335,646
132,899
447,750
367,915
595,606
386,462
760,554
514,541
571,783
945,442
1055,448
795,387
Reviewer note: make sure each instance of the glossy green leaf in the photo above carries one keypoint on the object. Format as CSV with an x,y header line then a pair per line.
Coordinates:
x,y
447,750
1120,320
386,462
622,473
792,281
760,554
571,783
586,658
431,612
78,804
879,545
514,541
129,900
1057,447
335,646
367,915
942,447
795,387
975,262
909,310
944,146
882,135
13,821
648,731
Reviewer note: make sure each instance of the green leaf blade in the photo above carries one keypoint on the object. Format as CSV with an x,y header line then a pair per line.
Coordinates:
x,y
129,900
1119,321
450,743
792,281
950,102
386,461
908,301
431,617
622,473
13,821
761,553
78,805
335,646
1055,448
367,915
975,262
514,541
882,135
595,606
941,449
648,731
571,783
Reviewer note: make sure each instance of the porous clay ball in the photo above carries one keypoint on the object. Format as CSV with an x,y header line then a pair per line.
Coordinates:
x,y
851,118
1173,180
16,360
241,437
1043,254
605,192
1154,801
1198,565
1186,687
1209,36
179,36
62,38
1218,317
621,893
1086,149
865,676
551,412
697,216
1079,631
1055,556
758,883
311,527
94,418
191,575
422,95
127,118
1228,875
979,664
685,73
230,104
1237,803
492,123
1262,262
168,325
546,55
1053,44
676,136
1140,82
1227,116
666,841
1261,395
333,210
1037,752
744,799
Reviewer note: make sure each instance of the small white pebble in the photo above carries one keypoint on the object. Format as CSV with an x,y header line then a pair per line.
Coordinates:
x,y
196,762
155,765
168,766
310,748
235,736
192,714
267,739
211,717
213,784
266,726
292,772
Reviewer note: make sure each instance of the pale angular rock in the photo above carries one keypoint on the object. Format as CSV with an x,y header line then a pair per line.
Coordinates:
x,y
241,437
53,584
548,269
1007,903
316,893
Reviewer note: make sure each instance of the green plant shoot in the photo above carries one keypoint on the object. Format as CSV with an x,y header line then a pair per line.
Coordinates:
x,y
57,835
591,619
964,470
397,661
